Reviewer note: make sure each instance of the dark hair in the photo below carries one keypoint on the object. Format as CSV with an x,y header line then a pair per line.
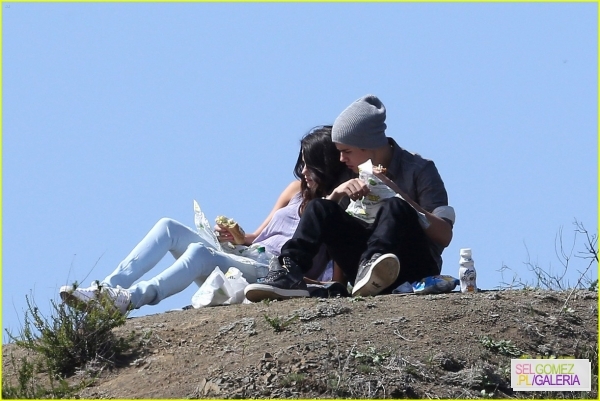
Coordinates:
x,y
322,160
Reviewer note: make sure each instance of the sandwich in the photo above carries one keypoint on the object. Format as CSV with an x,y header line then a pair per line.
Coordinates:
x,y
380,169
239,236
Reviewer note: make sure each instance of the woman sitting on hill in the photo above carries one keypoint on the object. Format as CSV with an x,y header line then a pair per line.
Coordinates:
x,y
318,169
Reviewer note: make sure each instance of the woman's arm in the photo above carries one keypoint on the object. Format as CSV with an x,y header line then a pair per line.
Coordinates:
x,y
284,199
439,230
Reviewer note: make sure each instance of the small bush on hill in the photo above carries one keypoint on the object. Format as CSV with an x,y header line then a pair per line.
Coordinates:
x,y
70,340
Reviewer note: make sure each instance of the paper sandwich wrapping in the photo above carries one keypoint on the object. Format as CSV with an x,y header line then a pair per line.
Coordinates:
x,y
239,236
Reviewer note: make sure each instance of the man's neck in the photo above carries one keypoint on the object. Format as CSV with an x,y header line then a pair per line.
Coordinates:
x,y
383,155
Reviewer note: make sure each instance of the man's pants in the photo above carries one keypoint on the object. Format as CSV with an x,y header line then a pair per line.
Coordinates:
x,y
396,230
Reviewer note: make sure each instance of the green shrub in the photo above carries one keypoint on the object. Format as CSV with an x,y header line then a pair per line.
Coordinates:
x,y
280,324
503,347
30,386
70,340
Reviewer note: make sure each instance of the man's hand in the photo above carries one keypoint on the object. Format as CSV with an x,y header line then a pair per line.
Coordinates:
x,y
354,189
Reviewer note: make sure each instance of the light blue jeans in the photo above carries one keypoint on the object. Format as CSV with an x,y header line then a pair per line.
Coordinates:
x,y
194,263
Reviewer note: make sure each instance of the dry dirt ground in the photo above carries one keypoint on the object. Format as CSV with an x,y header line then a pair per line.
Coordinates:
x,y
394,346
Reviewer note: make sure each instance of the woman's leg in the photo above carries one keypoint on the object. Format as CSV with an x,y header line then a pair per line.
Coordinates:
x,y
195,265
167,235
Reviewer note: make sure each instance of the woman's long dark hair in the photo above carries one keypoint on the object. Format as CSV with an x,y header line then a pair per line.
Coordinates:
x,y
323,162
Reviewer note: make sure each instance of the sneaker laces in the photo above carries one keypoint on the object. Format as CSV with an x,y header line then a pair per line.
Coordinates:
x,y
275,271
287,262
84,293
78,297
120,297
274,274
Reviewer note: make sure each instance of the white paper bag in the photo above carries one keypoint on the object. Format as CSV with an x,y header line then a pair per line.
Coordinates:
x,y
237,283
221,289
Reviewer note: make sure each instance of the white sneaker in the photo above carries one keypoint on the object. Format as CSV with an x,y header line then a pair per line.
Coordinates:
x,y
120,297
376,274
79,297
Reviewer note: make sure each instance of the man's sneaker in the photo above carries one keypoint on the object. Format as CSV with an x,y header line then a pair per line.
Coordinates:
x,y
78,297
285,280
84,298
376,274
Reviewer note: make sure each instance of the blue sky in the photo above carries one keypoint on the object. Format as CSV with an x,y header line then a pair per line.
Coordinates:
x,y
117,114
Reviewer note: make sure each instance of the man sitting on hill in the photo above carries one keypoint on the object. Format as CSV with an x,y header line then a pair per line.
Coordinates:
x,y
410,231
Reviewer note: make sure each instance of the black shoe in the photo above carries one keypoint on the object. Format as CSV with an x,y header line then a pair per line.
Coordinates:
x,y
285,280
376,274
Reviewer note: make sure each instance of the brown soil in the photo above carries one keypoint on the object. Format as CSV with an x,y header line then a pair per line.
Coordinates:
x,y
393,346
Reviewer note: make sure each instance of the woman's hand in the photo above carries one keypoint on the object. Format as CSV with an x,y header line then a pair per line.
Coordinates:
x,y
223,235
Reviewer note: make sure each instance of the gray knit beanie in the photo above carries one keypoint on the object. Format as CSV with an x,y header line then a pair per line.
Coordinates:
x,y
362,124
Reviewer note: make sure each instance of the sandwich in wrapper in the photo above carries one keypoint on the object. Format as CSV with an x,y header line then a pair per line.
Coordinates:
x,y
240,253
239,237
367,207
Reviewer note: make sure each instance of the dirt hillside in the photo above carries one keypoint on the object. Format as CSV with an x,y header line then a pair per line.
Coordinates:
x,y
393,346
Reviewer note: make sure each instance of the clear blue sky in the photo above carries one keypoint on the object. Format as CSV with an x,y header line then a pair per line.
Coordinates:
x,y
118,114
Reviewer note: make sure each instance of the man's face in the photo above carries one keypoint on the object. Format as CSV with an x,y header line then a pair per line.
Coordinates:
x,y
353,157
